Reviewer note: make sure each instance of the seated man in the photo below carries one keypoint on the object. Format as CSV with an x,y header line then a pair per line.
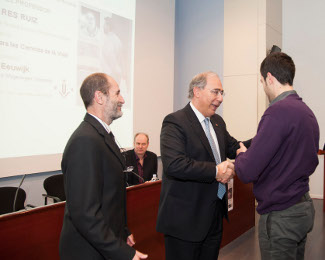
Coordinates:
x,y
144,162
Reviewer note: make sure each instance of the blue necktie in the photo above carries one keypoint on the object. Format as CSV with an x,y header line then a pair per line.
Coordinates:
x,y
221,186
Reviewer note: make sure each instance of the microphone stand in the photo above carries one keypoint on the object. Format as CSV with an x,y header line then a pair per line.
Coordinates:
x,y
15,199
130,169
138,176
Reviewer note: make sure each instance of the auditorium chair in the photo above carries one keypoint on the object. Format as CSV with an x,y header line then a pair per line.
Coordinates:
x,y
54,188
7,198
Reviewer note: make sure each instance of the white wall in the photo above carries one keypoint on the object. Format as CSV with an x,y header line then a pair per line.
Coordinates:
x,y
241,45
250,29
316,181
304,41
153,67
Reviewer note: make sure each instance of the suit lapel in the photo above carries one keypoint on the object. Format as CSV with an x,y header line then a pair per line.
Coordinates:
x,y
198,130
109,139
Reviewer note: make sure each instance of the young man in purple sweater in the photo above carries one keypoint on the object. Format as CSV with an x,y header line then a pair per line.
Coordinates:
x,y
282,156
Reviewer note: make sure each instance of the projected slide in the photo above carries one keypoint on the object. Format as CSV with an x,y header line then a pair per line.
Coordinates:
x,y
47,48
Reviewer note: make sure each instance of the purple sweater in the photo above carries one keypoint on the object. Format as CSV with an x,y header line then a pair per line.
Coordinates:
x,y
282,155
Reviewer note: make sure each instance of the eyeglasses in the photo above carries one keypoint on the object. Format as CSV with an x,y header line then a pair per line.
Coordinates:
x,y
216,92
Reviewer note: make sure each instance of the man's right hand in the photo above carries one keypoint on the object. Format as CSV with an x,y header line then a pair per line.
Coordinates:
x,y
226,171
138,255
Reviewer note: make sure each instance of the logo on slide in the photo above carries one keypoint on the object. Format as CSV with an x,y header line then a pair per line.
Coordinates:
x,y
64,91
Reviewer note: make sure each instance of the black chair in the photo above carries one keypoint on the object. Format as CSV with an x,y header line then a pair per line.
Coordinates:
x,y
7,198
54,187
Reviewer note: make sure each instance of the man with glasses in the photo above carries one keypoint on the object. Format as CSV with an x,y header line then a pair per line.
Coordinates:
x,y
194,146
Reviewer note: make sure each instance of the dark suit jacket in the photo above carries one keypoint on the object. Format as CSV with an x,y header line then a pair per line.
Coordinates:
x,y
149,166
95,225
189,188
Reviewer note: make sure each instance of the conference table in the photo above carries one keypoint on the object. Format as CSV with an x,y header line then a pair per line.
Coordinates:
x,y
34,234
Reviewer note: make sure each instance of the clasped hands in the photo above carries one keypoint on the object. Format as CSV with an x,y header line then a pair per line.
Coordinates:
x,y
226,171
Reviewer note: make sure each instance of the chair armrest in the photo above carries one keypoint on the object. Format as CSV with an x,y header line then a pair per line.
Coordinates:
x,y
30,206
55,199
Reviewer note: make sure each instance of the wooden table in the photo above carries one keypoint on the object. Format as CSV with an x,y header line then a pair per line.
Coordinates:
x,y
34,234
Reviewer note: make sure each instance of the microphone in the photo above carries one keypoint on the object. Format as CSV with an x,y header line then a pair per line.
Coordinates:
x,y
130,169
21,182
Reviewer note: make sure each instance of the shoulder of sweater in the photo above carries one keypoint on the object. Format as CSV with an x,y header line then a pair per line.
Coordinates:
x,y
289,99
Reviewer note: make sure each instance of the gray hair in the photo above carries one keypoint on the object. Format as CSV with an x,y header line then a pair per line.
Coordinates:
x,y
200,81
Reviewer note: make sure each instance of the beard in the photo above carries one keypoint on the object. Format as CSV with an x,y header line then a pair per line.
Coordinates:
x,y
116,113
112,111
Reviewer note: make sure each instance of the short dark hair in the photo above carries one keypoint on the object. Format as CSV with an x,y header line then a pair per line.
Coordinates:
x,y
91,84
281,66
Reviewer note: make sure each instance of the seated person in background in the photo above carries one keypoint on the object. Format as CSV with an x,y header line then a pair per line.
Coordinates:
x,y
144,162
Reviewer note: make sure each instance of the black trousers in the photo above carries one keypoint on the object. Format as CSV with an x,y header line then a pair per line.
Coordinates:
x,y
207,249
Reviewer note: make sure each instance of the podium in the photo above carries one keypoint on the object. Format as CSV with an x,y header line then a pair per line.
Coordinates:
x,y
142,210
34,234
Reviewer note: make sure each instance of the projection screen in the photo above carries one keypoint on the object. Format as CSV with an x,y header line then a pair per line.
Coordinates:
x,y
47,48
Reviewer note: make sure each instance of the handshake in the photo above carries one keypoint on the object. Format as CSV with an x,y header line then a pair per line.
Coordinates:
x,y
226,170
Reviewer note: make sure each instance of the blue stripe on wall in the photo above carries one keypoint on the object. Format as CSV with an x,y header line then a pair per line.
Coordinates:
x,y
199,26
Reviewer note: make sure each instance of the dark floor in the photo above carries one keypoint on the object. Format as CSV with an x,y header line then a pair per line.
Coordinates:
x,y
246,246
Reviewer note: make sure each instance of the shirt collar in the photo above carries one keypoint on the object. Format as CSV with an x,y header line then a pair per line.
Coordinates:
x,y
282,96
137,157
106,126
197,113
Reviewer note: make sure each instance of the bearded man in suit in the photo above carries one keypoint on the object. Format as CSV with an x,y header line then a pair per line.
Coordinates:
x,y
95,221
194,146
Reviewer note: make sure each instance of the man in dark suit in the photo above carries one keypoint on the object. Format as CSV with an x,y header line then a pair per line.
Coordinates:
x,y
194,146
95,221
144,162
